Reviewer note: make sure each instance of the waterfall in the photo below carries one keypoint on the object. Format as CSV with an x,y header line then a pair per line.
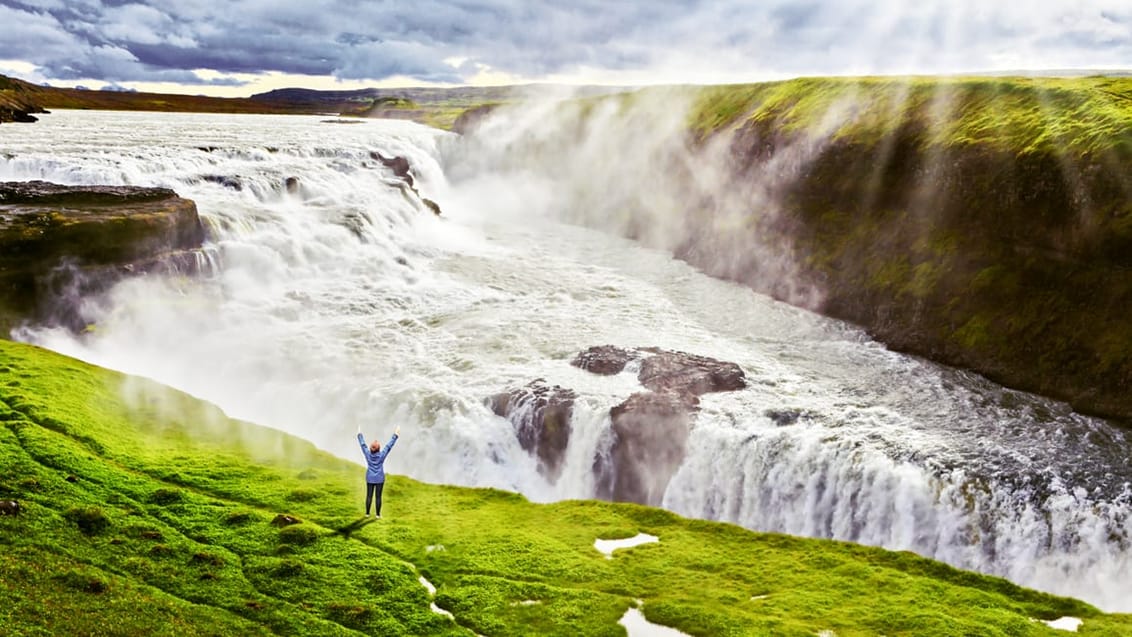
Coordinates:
x,y
333,298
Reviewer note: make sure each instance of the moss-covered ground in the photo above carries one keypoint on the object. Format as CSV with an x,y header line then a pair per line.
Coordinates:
x,y
148,512
1081,115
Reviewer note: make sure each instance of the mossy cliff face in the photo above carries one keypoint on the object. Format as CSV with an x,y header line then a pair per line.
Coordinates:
x,y
981,223
53,236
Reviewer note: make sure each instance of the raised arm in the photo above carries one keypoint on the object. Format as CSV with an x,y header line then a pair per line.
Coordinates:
x,y
362,442
389,445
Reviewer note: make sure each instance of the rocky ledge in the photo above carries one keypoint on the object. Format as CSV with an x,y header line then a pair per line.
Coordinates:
x,y
59,242
17,108
649,428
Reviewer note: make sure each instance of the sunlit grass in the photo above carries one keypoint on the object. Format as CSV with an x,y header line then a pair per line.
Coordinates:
x,y
148,512
1078,115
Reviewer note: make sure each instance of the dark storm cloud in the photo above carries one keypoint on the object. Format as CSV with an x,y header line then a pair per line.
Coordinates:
x,y
165,40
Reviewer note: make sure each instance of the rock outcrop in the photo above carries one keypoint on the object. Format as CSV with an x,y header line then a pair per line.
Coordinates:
x,y
16,105
403,171
57,241
649,428
541,416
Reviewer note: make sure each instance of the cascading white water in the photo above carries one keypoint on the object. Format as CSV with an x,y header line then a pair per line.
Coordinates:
x,y
344,301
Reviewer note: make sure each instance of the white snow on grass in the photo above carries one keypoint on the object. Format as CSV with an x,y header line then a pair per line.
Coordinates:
x,y
1070,624
637,626
432,591
609,546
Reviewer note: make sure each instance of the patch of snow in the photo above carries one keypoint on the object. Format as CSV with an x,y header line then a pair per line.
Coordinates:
x,y
526,602
827,633
427,584
440,611
609,546
1070,624
758,597
637,626
434,547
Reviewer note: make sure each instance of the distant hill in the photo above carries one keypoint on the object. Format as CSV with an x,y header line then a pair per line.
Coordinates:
x,y
437,107
17,103
14,92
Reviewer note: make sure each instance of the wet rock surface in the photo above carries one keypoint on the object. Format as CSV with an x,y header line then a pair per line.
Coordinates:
x,y
60,240
541,415
604,359
403,171
649,428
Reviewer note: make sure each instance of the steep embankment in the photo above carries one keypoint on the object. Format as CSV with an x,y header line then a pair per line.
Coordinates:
x,y
59,243
145,511
17,101
985,223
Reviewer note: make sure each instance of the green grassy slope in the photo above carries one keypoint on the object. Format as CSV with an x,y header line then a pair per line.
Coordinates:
x,y
147,512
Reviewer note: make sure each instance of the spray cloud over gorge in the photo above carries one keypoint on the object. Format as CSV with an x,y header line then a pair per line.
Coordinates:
x,y
344,301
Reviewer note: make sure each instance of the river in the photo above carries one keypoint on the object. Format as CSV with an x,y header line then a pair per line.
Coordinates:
x,y
344,302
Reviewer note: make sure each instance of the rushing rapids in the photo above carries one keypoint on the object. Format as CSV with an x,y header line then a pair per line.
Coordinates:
x,y
334,297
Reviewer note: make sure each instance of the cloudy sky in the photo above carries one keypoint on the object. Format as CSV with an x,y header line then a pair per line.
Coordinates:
x,y
239,47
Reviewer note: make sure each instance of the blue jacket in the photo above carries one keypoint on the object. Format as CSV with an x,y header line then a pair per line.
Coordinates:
x,y
376,461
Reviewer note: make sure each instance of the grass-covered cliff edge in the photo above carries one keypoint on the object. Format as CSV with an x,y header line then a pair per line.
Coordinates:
x,y
145,511
982,222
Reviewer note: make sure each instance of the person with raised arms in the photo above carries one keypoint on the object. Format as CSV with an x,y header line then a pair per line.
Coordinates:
x,y
375,467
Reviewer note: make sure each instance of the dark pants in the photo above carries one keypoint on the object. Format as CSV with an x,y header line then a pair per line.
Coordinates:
x,y
371,489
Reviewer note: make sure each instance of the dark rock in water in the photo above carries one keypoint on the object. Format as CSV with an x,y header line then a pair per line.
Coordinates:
x,y
398,164
681,372
605,360
401,169
291,184
783,417
24,118
60,240
541,416
223,180
649,429
650,434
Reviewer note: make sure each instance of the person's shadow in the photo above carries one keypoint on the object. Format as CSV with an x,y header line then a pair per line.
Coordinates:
x,y
356,525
